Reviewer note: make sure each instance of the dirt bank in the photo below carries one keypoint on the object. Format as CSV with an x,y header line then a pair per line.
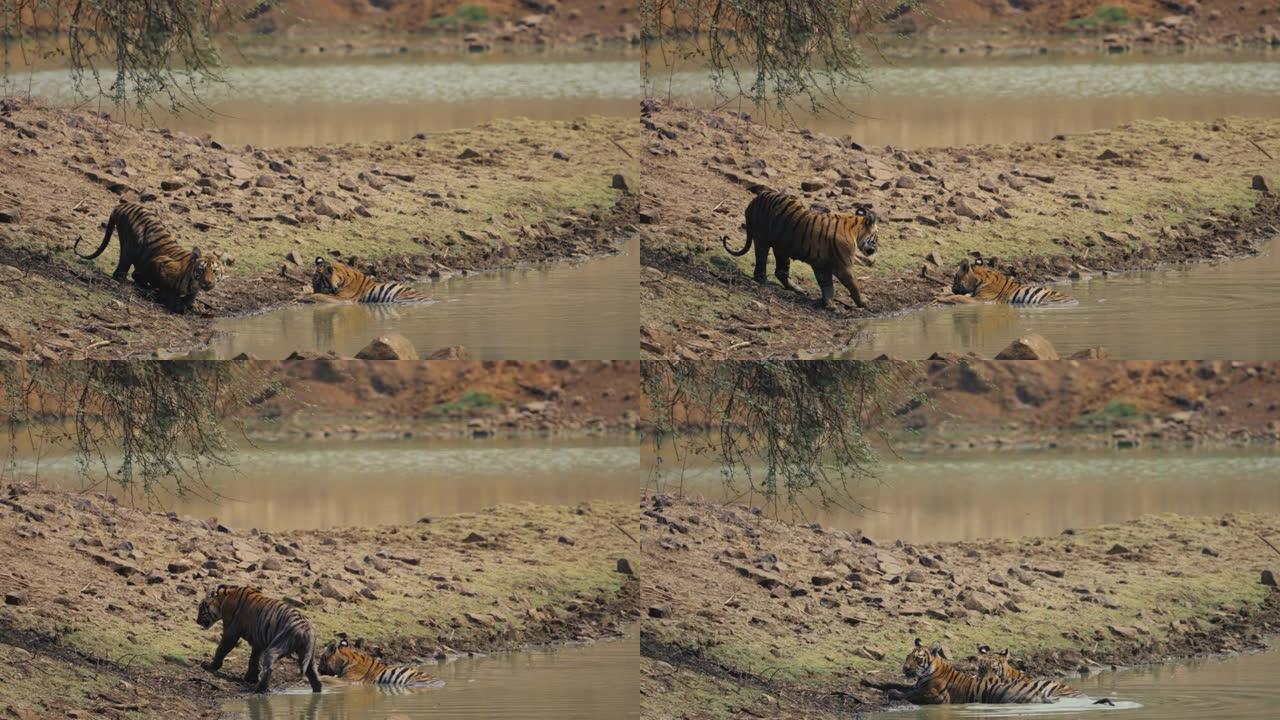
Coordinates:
x,y
336,398
505,193
749,615
1137,196
101,599
1070,403
960,26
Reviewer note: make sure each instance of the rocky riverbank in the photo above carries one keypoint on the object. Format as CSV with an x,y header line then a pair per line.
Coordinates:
x,y
100,599
1137,196
506,193
750,615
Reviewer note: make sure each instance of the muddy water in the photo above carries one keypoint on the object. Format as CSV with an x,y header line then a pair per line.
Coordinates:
x,y
1013,494
1226,310
1241,687
953,100
311,100
587,682
564,311
282,486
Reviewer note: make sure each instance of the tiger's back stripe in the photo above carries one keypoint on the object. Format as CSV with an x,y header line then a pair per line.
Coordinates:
x,y
388,292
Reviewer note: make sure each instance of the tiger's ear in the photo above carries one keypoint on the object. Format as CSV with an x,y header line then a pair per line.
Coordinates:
x,y
919,643
991,262
983,649
1004,653
343,643
195,252
320,262
860,212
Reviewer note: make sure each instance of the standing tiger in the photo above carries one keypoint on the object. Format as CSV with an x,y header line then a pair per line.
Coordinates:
x,y
272,628
344,282
981,280
828,242
351,663
157,260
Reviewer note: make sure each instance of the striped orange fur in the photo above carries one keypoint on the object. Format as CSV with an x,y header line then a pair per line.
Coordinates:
x,y
271,627
158,262
349,662
983,281
827,242
344,282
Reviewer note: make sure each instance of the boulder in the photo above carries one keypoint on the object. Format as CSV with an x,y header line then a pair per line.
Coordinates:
x,y
1029,347
1261,183
389,347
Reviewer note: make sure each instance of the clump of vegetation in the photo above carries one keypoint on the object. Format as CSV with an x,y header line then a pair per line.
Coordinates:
x,y
1104,15
466,14
468,402
139,52
1116,411
793,432
768,51
144,426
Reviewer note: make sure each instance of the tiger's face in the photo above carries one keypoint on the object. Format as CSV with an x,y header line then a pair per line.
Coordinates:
x,y
337,657
206,269
971,274
863,222
920,662
996,664
211,607
327,278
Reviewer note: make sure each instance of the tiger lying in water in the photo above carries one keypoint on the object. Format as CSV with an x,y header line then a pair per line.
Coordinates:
x,y
981,280
272,628
354,664
157,260
938,681
335,281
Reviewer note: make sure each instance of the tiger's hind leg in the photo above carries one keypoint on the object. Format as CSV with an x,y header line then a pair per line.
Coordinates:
x,y
762,261
255,659
309,670
828,287
264,669
121,272
846,279
782,271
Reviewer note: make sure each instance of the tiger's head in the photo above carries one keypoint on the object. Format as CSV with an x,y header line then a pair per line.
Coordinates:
x,y
329,277
996,664
211,606
972,274
921,662
340,655
861,224
206,269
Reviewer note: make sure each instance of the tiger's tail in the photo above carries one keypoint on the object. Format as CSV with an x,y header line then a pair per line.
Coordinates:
x,y
724,240
111,226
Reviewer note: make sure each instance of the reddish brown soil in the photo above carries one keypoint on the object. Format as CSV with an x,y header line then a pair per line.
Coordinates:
x,y
1202,401
524,395
1150,23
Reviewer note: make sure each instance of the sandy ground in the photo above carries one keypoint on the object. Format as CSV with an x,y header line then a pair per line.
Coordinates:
x,y
1136,196
100,599
489,197
747,616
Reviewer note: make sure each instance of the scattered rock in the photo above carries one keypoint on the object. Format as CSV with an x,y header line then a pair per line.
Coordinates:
x,y
1119,549
1262,183
1208,550
1029,347
294,257
620,182
624,567
265,181
1109,154
474,537
659,611
813,184
1268,578
560,155
9,215
453,352
1200,156
468,154
389,347
566,540
173,183
15,598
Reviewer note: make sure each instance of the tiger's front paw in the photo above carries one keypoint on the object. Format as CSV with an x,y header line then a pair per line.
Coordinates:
x,y
211,666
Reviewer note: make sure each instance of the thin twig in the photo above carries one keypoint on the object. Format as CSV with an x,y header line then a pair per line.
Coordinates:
x,y
1260,148
1268,542
624,532
624,150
